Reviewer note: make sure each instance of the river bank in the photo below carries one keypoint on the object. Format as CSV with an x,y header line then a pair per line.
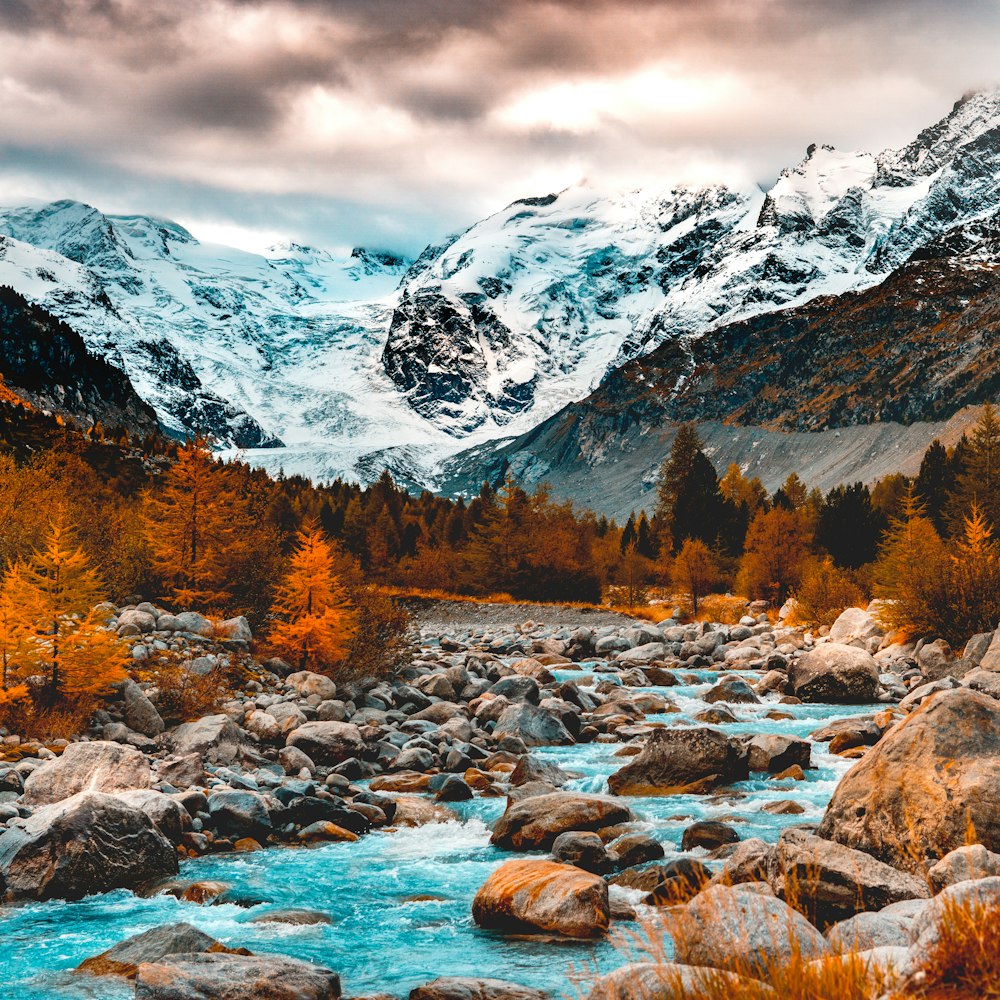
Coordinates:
x,y
420,770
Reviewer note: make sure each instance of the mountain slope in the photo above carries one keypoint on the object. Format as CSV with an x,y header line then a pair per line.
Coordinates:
x,y
852,384
46,364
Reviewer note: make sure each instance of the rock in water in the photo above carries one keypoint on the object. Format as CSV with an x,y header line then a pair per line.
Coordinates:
x,y
125,958
235,977
917,794
543,896
449,988
535,726
95,767
835,673
743,930
533,824
674,760
85,844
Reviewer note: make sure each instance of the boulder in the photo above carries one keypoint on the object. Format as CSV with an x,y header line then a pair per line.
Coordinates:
x,y
167,814
453,988
328,743
125,958
743,930
191,621
774,753
533,824
708,834
534,726
962,865
835,673
681,760
307,683
543,896
991,658
237,629
142,621
98,767
855,624
215,737
182,772
667,981
532,769
915,796
732,690
584,850
88,843
240,813
141,715
235,977
867,930
832,882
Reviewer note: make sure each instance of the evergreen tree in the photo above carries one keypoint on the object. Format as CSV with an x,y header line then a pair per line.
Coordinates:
x,y
849,528
314,619
645,543
979,483
934,481
689,503
629,538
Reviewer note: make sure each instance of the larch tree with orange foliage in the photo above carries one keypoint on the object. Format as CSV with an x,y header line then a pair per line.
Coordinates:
x,y
777,551
13,636
192,520
314,618
53,605
695,569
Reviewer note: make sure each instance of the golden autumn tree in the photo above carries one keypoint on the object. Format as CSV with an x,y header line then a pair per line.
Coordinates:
x,y
314,618
974,577
192,522
64,635
776,553
14,631
695,569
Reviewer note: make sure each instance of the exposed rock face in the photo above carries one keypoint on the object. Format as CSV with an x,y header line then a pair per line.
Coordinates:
x,y
834,882
125,958
915,795
677,760
328,743
235,977
85,844
96,767
743,930
835,673
533,824
543,896
452,988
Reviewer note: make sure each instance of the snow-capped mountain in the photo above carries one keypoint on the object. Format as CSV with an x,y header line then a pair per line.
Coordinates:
x,y
524,308
341,365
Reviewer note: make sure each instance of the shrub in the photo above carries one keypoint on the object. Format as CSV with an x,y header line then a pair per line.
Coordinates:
x,y
824,593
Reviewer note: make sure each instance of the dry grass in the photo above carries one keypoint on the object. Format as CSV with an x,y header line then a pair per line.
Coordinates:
x,y
725,609
964,961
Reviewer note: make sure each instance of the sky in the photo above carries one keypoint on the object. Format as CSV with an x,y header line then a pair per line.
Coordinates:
x,y
391,123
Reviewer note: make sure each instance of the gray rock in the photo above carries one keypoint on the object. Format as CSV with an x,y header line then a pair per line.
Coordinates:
x,y
991,658
962,865
191,621
976,648
98,766
744,931
237,629
533,725
733,690
239,812
835,673
855,624
582,850
215,737
307,683
182,772
235,977
451,988
153,945
143,621
140,713
328,743
869,930
534,823
167,814
667,981
88,843
774,753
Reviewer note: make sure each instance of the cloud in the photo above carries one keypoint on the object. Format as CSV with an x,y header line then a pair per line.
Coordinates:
x,y
393,122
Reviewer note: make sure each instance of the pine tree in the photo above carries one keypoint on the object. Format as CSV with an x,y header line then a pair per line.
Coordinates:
x,y
979,483
54,603
849,528
193,522
315,620
934,481
689,503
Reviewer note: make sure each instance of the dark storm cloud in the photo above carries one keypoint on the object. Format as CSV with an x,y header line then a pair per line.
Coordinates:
x,y
420,115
